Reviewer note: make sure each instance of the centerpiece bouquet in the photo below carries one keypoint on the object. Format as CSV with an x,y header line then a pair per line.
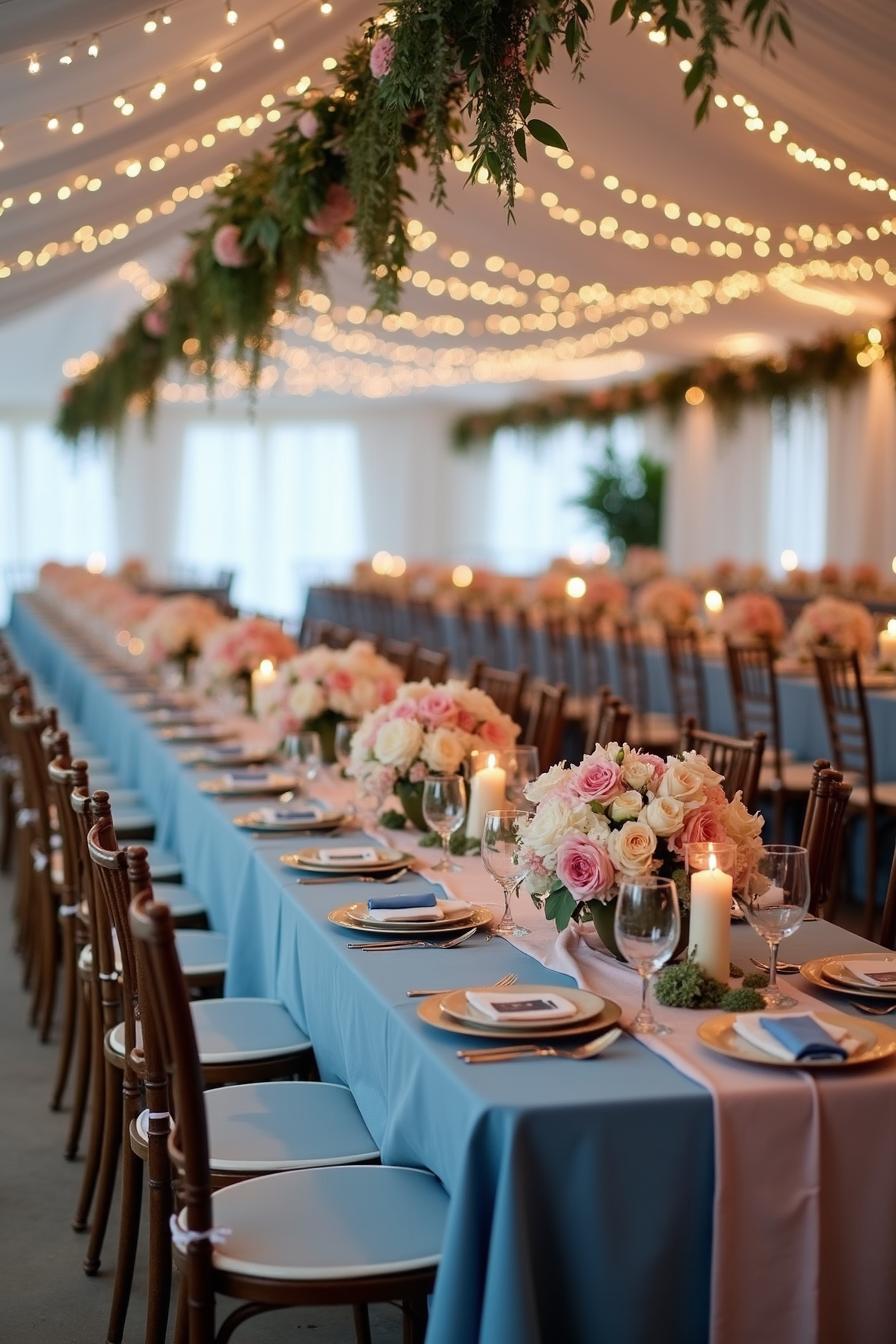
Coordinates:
x,y
176,630
425,730
620,814
667,601
235,649
320,687
835,622
753,617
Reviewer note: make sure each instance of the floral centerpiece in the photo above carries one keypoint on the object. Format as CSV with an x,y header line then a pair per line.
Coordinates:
x,y
836,623
754,616
624,813
320,687
667,601
176,629
234,650
643,563
425,730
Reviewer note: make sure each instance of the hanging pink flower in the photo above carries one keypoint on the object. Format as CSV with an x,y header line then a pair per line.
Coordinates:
x,y
337,210
155,321
382,54
308,124
226,247
341,238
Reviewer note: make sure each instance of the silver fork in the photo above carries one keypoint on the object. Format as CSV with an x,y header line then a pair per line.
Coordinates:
x,y
505,1054
351,877
416,942
879,1011
504,983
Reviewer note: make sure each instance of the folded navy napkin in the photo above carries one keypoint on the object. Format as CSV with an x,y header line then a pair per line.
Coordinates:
x,y
404,901
803,1037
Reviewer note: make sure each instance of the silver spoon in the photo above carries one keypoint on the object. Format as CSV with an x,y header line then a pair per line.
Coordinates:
x,y
505,1054
783,967
504,983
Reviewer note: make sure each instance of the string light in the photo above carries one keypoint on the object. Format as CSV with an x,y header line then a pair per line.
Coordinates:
x,y
78,123
33,64
200,83
93,48
216,65
2,141
326,7
158,90
151,24
52,123
68,55
277,41
230,13
166,17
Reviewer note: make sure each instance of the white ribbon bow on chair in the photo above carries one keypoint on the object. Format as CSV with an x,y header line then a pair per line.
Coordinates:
x,y
184,1238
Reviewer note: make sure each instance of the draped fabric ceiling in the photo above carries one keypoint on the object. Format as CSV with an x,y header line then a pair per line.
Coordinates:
x,y
587,284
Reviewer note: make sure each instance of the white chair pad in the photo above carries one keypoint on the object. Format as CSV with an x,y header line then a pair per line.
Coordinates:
x,y
201,952
265,1127
237,1031
331,1223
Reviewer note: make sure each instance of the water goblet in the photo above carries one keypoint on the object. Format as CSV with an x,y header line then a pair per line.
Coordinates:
x,y
342,740
502,855
444,809
304,750
521,764
775,900
647,923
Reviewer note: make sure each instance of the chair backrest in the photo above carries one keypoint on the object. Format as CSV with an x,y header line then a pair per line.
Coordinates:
x,y
401,653
888,922
632,666
168,1002
111,884
822,834
505,688
27,724
592,650
422,620
154,1067
430,663
61,779
738,759
105,971
687,682
545,726
607,720
557,661
754,691
313,632
846,712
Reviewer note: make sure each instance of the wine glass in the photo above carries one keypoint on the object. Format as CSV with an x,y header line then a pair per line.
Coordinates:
x,y
444,809
342,740
647,924
304,750
521,764
775,900
502,855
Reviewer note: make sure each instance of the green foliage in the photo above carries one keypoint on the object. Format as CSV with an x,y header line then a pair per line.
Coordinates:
x,y
755,980
458,844
627,499
393,820
684,985
560,906
741,1000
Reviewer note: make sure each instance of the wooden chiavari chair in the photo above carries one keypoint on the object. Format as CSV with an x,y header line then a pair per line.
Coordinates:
x,y
557,666
276,1253
592,650
687,680
822,835
431,664
11,679
852,752
544,729
888,922
422,621
402,654
313,632
338,636
738,759
505,688
652,731
607,720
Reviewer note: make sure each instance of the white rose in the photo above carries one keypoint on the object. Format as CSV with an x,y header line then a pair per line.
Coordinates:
x,y
539,788
627,806
443,751
636,772
553,820
701,766
631,848
681,781
597,827
398,743
664,816
306,700
740,824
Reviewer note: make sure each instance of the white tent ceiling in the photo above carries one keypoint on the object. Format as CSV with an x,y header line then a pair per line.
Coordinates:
x,y
626,120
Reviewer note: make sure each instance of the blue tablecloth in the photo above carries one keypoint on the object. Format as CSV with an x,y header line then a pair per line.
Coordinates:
x,y
581,1194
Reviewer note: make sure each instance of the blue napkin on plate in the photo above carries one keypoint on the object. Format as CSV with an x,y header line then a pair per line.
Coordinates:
x,y
803,1037
404,901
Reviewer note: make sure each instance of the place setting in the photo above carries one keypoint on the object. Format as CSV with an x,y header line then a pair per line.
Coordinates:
x,y
302,815
249,782
232,754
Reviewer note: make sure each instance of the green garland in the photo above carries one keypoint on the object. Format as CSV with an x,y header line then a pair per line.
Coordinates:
x,y
728,384
405,94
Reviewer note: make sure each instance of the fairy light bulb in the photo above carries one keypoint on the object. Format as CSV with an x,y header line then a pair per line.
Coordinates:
x,y
93,48
78,123
151,24
166,17
52,123
68,55
230,13
119,100
200,83
277,41
158,90
2,141
216,66
33,64
326,7
127,109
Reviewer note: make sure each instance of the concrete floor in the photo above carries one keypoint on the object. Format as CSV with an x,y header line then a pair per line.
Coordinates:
x,y
45,1298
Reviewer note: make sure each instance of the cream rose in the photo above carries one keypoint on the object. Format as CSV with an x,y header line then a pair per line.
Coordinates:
x,y
683,782
637,773
398,742
539,788
554,819
701,766
632,848
443,751
664,816
306,700
740,824
627,806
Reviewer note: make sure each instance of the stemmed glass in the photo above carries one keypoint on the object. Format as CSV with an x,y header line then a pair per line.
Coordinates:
x,y
304,750
775,901
342,740
502,855
647,924
521,764
444,809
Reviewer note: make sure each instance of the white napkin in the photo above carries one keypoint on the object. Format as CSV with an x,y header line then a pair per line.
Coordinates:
x,y
510,1007
420,914
349,855
878,973
748,1026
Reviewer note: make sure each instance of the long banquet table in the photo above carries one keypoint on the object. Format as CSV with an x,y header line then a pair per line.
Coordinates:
x,y
581,1194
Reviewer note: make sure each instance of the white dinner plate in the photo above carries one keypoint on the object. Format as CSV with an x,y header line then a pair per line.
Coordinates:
x,y
267,782
311,860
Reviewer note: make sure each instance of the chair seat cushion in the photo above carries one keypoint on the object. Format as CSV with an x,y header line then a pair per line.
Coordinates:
x,y
201,952
183,902
884,794
164,866
283,1126
237,1031
132,821
331,1223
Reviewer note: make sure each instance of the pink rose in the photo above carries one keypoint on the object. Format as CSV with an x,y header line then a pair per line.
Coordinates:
x,y
437,709
404,709
584,867
226,247
339,680
596,780
155,321
701,825
337,210
382,54
495,734
341,238
466,721
308,124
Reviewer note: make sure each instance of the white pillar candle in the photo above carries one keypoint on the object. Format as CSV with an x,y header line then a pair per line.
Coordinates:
x,y
710,931
886,645
263,675
488,793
